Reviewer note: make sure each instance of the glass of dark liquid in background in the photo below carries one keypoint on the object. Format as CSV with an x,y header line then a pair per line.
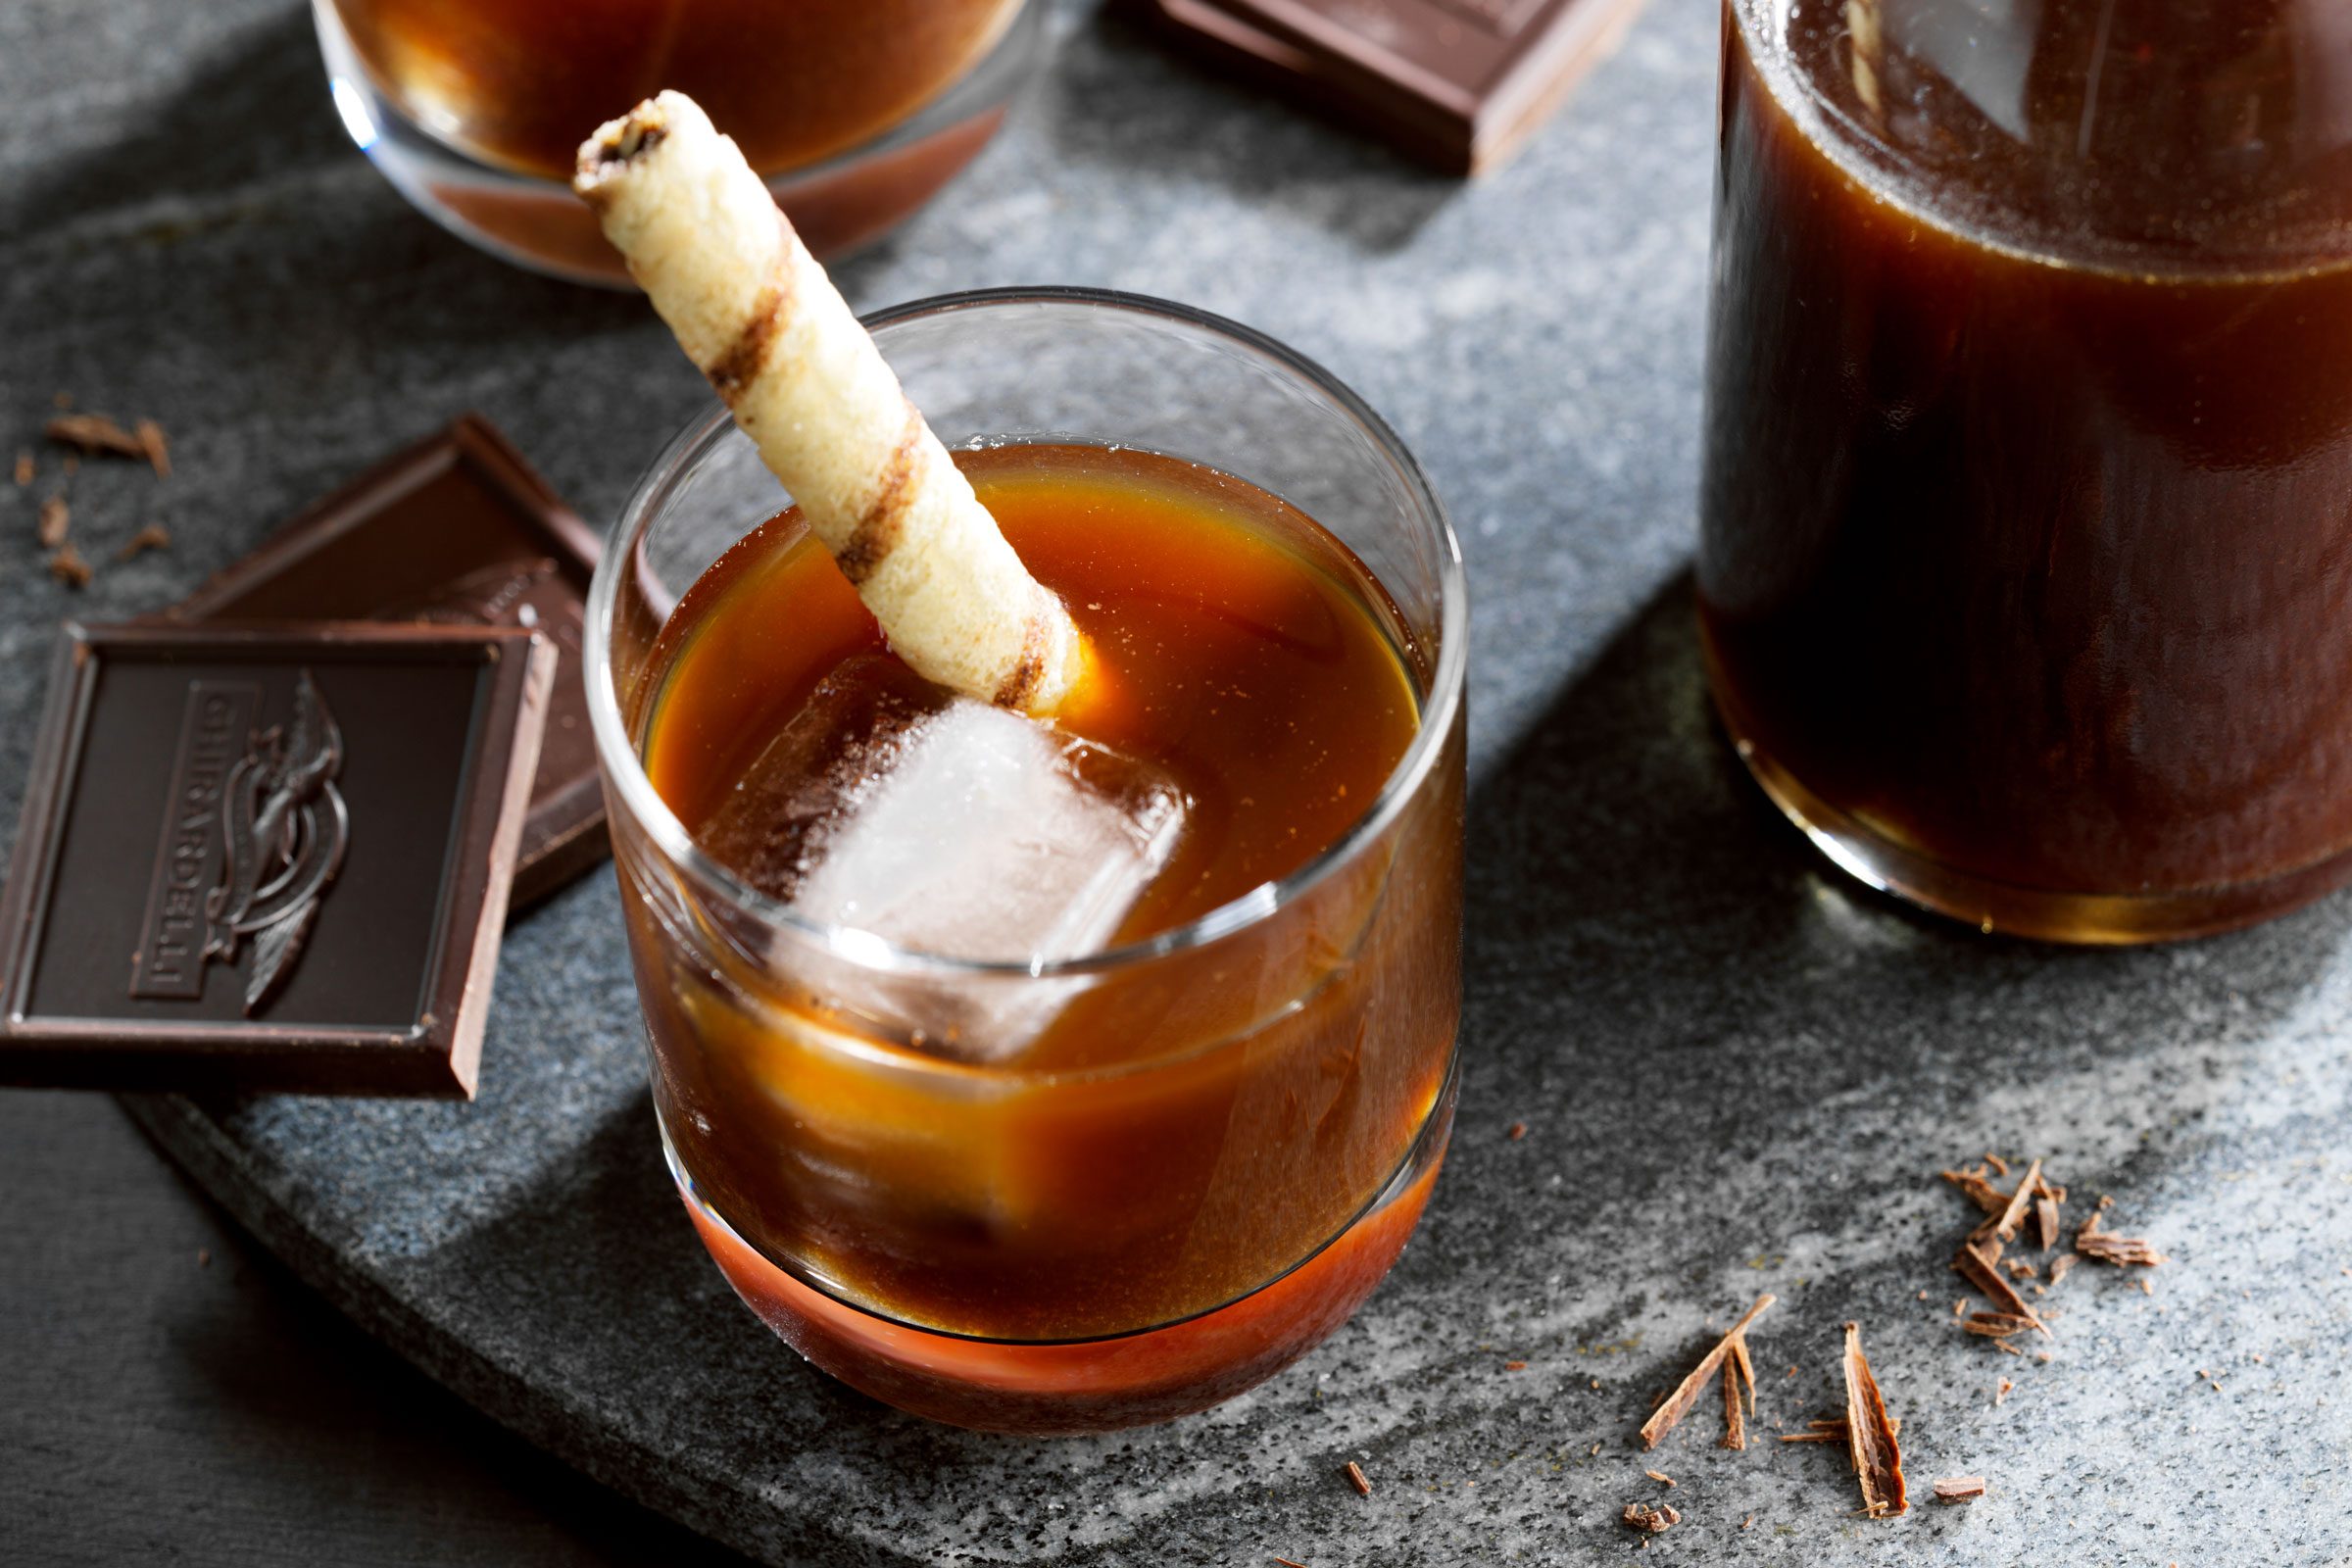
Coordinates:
x,y
856,111
1073,1189
2026,574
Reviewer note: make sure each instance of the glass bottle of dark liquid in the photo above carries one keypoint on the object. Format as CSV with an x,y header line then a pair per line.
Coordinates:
x,y
2027,561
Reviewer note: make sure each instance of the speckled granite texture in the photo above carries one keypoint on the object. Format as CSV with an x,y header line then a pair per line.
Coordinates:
x,y
1737,1075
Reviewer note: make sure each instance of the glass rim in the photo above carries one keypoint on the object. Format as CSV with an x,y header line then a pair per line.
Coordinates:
x,y
625,771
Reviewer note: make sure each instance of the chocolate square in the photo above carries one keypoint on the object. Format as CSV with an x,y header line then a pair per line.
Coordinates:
x,y
269,857
455,529
1459,83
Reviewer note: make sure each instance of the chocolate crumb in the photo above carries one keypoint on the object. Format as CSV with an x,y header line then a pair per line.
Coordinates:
x,y
1516,1131
56,518
1357,1479
2002,1393
155,536
68,567
204,1257
1652,1521
1959,1489
1749,1520
1660,1477
24,468
2060,1264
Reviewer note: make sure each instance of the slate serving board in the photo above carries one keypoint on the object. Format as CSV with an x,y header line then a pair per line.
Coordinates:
x,y
1737,1075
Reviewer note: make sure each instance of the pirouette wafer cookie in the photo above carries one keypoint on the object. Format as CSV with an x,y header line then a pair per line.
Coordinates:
x,y
757,314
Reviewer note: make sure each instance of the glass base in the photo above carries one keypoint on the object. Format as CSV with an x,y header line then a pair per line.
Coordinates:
x,y
2085,918
1069,1387
536,224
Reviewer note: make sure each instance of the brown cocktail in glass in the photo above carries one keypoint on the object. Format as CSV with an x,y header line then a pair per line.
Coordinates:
x,y
855,111
2026,561
1082,1191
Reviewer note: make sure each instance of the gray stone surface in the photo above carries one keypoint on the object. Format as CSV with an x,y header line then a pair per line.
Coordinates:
x,y
1737,1075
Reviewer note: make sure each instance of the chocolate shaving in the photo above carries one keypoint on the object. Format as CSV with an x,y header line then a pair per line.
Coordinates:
x,y
2000,1166
1737,1372
56,518
154,447
93,433
1357,1479
1660,1477
2096,1242
2045,1215
1870,1435
1677,1403
1975,1261
1833,1429
23,470
2019,1269
155,536
1980,1192
68,567
1959,1489
2060,1265
1999,1325
1652,1521
1817,1432
2013,1212
1286,1563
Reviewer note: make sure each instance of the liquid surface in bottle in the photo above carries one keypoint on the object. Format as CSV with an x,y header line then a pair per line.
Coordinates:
x,y
522,82
1172,1138
2028,509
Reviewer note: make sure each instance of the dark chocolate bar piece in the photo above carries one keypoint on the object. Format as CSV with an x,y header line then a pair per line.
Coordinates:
x,y
457,529
265,857
1460,83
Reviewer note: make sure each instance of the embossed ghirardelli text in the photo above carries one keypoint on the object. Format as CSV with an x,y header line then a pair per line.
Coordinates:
x,y
254,832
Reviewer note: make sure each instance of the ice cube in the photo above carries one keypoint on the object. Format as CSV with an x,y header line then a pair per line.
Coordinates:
x,y
943,824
